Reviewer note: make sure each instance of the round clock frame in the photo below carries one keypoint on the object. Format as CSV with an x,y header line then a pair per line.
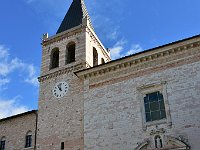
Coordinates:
x,y
60,89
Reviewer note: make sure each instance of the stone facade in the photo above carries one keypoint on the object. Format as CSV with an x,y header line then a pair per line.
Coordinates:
x,y
62,120
113,99
14,130
104,106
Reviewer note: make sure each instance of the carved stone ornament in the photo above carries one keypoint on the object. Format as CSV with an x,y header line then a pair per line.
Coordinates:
x,y
170,143
142,146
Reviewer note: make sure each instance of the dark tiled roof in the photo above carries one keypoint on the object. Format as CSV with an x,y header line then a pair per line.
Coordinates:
x,y
74,16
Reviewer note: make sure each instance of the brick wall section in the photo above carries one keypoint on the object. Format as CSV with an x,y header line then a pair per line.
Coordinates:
x,y
15,130
78,38
92,41
112,108
61,120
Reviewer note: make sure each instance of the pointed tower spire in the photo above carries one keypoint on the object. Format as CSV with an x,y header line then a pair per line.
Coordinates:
x,y
74,17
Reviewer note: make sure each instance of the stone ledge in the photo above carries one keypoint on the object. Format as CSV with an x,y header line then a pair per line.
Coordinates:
x,y
61,36
62,71
135,61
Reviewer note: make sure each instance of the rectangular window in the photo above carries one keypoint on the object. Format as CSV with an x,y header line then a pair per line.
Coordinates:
x,y
2,145
70,53
102,61
95,57
62,146
28,141
154,106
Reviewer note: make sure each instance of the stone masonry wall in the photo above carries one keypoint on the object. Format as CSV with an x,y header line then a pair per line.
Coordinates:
x,y
113,116
61,119
92,41
78,38
15,129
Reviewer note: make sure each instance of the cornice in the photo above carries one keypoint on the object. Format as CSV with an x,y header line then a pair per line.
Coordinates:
x,y
62,71
73,32
59,37
134,60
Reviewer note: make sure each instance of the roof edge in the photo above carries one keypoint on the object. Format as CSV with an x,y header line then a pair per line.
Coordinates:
x,y
81,72
19,115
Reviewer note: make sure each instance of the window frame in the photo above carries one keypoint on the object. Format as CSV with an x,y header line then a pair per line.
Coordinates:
x,y
151,88
68,53
102,61
3,140
95,56
51,64
159,107
62,146
28,140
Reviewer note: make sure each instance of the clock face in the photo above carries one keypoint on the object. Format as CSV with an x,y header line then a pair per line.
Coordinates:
x,y
60,89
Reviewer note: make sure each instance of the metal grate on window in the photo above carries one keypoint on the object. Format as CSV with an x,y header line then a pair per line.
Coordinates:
x,y
154,106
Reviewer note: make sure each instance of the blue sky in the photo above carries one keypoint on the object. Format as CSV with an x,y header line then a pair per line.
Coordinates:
x,y
126,27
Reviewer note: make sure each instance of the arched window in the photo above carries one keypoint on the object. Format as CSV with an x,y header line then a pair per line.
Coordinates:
x,y
54,58
158,142
102,61
95,57
28,139
3,143
70,52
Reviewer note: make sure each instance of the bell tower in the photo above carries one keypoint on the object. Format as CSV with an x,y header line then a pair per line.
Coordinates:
x,y
75,46
75,42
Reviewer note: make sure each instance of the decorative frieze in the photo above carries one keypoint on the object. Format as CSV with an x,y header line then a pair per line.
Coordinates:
x,y
136,61
62,71
76,31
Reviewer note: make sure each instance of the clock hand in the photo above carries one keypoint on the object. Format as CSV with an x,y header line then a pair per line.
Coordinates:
x,y
59,87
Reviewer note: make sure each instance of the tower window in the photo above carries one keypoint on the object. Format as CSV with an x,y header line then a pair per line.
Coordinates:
x,y
28,139
55,58
154,106
2,143
70,53
95,57
102,61
62,146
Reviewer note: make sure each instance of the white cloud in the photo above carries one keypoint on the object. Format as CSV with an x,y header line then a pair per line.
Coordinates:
x,y
11,107
136,48
3,52
4,81
114,33
9,65
117,51
32,79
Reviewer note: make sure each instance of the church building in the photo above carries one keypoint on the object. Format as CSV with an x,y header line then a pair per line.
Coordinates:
x,y
146,101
